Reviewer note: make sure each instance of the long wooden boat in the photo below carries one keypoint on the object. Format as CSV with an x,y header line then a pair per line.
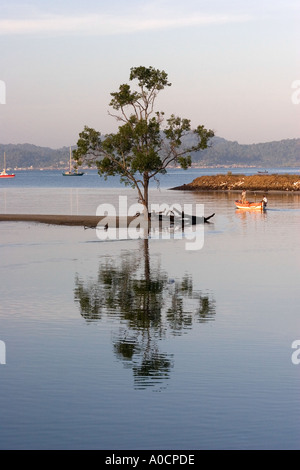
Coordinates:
x,y
258,206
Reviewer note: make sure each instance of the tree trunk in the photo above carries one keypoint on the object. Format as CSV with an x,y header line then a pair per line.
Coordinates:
x,y
146,196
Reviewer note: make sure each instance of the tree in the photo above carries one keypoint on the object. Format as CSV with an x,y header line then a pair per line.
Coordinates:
x,y
145,144
138,291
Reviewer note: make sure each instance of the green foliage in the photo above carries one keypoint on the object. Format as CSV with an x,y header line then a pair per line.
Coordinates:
x,y
149,78
140,149
123,98
185,162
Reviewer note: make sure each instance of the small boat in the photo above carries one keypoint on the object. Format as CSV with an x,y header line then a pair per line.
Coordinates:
x,y
3,173
261,205
72,172
264,172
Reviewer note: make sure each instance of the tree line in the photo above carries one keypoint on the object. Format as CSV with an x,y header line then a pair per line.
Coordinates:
x,y
282,153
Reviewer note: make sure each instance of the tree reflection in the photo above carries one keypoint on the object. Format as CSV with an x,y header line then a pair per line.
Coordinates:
x,y
148,305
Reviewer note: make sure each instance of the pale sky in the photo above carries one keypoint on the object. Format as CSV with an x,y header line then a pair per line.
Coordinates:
x,y
232,65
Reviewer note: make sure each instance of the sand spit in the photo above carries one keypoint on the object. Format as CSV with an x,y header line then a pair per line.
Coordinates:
x,y
70,220
88,221
231,182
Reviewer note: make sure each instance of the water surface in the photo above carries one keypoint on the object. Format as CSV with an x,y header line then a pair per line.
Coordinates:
x,y
141,344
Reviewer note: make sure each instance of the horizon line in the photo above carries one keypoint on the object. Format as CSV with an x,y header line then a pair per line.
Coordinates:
x,y
217,136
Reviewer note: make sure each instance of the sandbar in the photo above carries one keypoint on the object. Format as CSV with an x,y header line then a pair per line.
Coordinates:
x,y
90,221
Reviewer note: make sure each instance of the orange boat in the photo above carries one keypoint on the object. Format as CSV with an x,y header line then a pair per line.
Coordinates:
x,y
258,206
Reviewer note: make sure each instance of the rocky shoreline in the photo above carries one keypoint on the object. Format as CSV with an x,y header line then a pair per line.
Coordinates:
x,y
229,182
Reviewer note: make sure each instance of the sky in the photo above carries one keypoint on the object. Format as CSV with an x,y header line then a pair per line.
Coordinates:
x,y
234,66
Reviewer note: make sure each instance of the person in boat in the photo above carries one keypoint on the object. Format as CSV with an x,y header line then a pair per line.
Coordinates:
x,y
264,201
244,197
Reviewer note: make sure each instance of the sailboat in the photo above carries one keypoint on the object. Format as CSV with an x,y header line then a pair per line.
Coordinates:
x,y
72,172
3,174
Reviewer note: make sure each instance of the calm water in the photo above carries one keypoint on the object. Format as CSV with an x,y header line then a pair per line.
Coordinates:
x,y
141,344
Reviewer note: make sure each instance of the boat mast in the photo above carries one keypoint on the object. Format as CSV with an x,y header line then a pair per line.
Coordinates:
x,y
70,160
4,162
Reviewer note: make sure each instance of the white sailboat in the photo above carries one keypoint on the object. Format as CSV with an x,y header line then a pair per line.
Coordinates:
x,y
72,172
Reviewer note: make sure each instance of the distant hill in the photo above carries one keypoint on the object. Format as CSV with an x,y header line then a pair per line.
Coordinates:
x,y
223,152
277,153
28,155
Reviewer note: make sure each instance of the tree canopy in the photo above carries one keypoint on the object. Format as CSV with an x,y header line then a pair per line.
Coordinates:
x,y
146,143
